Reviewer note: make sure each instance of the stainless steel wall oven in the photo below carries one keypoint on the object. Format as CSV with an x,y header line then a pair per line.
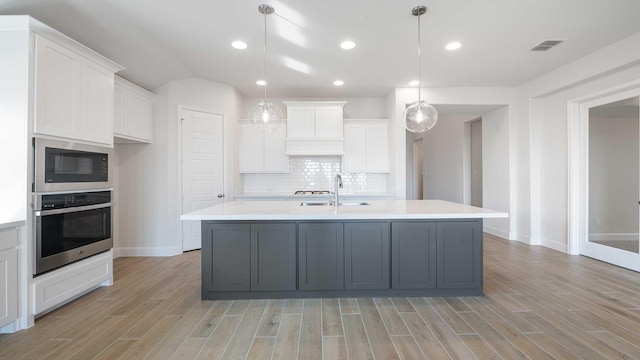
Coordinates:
x,y
70,227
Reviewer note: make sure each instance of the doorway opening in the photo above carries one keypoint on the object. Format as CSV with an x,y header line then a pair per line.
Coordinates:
x,y
604,177
473,173
418,170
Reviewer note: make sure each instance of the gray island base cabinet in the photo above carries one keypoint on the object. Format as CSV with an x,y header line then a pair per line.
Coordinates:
x,y
301,259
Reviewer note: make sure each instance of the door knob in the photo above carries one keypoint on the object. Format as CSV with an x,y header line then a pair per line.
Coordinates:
x,y
220,196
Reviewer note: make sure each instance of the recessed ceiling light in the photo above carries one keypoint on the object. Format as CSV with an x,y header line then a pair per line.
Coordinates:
x,y
348,45
453,46
241,45
414,83
338,83
261,82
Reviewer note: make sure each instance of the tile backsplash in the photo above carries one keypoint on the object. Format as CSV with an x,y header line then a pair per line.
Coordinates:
x,y
314,173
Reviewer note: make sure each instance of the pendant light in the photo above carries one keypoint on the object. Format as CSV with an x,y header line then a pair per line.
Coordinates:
x,y
265,115
420,116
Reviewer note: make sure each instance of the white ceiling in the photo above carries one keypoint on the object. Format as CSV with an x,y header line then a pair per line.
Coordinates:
x,y
162,40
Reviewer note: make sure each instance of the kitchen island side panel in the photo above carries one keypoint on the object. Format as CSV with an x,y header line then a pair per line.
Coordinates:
x,y
459,254
408,258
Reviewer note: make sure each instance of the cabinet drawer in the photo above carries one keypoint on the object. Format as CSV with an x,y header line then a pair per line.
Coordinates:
x,y
60,286
8,239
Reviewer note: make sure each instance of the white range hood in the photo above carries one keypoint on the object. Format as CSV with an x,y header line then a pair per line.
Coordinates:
x,y
315,128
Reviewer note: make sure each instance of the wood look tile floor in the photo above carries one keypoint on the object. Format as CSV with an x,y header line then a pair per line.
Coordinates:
x,y
538,304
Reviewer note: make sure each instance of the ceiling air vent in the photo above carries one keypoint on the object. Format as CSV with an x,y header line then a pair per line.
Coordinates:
x,y
546,45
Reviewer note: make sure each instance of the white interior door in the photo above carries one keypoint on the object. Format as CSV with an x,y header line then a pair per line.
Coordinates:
x,y
202,169
614,183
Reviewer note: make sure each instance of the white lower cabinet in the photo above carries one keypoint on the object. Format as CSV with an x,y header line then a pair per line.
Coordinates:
x,y
132,113
366,146
63,285
263,152
8,276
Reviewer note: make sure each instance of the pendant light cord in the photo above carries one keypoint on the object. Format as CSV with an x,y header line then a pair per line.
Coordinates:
x,y
265,60
419,64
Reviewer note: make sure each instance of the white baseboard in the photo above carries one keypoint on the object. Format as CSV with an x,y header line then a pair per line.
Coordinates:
x,y
526,239
10,328
496,232
555,245
147,251
613,237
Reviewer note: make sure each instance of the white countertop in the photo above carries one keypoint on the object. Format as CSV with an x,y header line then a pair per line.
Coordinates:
x,y
12,224
291,196
378,209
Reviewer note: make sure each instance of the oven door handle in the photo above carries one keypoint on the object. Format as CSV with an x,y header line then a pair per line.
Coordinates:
x,y
73,209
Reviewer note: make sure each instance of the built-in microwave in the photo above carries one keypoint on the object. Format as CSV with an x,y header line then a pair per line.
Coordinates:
x,y
66,166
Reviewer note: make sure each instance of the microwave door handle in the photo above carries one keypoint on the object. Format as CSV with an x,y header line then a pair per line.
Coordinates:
x,y
73,209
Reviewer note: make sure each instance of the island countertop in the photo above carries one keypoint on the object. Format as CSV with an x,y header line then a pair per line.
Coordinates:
x,y
377,209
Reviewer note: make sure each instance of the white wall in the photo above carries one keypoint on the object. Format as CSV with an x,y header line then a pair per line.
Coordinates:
x,y
150,178
496,163
613,175
14,116
541,136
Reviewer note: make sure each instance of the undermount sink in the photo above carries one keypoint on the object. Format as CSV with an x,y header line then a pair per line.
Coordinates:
x,y
330,203
316,203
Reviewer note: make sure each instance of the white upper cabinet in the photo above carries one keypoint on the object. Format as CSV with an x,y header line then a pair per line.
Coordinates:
x,y
97,104
133,113
315,127
73,94
366,146
355,148
57,90
263,152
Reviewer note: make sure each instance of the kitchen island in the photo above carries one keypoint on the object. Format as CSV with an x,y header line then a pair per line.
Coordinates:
x,y
281,249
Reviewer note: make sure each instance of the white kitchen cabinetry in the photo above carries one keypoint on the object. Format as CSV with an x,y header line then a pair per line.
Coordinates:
x,y
133,113
263,151
73,94
366,146
315,127
8,276
58,287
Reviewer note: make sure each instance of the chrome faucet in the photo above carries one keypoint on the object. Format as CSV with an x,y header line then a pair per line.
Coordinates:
x,y
337,185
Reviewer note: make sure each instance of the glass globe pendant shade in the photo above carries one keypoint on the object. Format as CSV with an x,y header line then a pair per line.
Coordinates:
x,y
420,117
266,116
